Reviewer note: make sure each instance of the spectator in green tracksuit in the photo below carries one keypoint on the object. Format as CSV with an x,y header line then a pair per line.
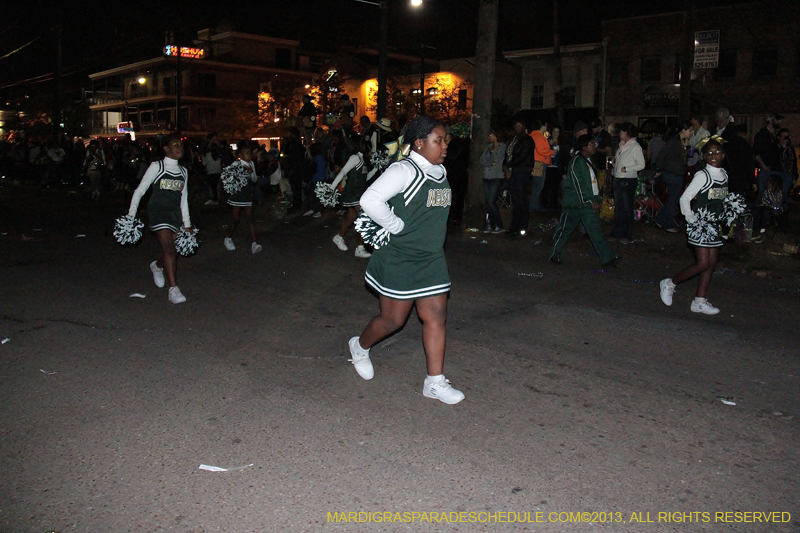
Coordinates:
x,y
581,203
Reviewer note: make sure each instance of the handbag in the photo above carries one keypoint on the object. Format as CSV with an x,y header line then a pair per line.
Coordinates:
x,y
538,169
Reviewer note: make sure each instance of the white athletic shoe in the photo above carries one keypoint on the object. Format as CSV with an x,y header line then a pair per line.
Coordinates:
x,y
339,242
360,360
667,290
362,252
701,305
318,214
308,213
441,390
175,295
158,274
255,248
229,244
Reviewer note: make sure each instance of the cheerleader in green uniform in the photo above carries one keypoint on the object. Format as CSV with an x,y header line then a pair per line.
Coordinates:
x,y
167,209
702,205
411,200
355,177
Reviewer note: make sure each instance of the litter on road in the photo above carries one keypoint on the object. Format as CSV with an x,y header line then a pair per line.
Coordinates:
x,y
136,295
532,274
219,469
4,341
43,371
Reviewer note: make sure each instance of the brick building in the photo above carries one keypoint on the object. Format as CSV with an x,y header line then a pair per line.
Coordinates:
x,y
758,71
222,75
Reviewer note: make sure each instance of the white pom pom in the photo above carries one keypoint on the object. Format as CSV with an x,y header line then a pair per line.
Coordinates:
x,y
372,233
733,206
381,160
185,243
705,229
234,178
127,230
328,196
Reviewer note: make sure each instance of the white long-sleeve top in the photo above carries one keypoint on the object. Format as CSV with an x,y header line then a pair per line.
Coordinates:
x,y
630,157
171,166
392,182
718,175
352,162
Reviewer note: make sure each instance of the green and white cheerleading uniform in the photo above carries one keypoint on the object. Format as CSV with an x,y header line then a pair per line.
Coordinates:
x,y
354,174
411,199
244,197
169,201
702,203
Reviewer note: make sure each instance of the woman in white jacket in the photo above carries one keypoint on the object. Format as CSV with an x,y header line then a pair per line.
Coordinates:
x,y
628,162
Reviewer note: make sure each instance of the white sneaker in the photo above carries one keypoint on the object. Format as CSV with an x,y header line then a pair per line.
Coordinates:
x,y
175,295
255,248
441,390
229,244
308,213
158,274
339,242
316,215
211,202
360,360
362,252
667,290
701,305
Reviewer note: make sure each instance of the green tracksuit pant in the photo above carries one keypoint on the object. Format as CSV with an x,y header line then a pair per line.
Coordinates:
x,y
570,218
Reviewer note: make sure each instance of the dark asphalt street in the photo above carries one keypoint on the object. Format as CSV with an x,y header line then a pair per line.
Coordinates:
x,y
584,393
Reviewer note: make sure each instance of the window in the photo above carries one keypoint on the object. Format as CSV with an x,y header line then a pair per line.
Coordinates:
x,y
206,84
726,68
537,97
569,96
145,117
462,98
619,72
651,69
765,63
164,116
206,114
283,58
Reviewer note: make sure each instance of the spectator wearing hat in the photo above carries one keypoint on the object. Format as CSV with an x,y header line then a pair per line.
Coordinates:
x,y
767,152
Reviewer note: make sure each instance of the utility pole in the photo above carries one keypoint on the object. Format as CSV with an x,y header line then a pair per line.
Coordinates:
x,y
482,98
382,62
687,61
56,118
559,81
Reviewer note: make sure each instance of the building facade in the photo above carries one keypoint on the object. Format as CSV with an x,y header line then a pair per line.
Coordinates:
x,y
758,69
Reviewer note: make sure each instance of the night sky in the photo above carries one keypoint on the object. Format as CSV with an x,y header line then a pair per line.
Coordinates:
x,y
102,35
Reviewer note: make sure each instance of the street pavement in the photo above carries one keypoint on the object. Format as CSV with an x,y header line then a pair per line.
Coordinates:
x,y
584,393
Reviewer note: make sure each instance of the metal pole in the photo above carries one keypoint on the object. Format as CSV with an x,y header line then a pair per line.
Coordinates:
x,y
421,79
382,61
178,92
603,84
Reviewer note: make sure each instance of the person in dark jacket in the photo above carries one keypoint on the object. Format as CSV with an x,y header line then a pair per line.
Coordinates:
x,y
457,165
519,165
671,169
740,164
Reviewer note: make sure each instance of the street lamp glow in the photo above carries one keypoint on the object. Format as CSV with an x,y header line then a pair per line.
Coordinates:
x,y
416,3
141,81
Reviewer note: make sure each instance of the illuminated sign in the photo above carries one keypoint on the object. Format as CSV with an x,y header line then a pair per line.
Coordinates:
x,y
125,127
186,51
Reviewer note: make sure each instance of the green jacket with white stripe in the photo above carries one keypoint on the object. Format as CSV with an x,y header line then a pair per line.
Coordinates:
x,y
577,191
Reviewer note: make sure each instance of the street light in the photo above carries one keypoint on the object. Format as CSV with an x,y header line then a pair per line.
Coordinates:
x,y
384,6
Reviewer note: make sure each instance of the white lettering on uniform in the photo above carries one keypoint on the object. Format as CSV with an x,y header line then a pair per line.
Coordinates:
x,y
439,198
